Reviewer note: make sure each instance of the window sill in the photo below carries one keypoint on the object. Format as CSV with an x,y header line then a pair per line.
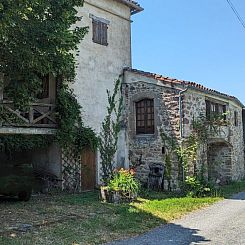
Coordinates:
x,y
145,136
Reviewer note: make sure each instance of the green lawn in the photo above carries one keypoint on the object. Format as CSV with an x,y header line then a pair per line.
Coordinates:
x,y
83,219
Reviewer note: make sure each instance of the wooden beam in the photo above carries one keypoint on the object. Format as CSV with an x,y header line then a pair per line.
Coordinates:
x,y
28,131
1,86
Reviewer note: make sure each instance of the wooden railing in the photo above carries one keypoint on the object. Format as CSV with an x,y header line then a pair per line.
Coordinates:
x,y
39,115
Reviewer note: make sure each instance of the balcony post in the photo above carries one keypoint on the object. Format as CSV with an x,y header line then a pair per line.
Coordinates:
x,y
1,86
31,115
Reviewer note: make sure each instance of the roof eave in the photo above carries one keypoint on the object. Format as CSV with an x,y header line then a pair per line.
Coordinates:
x,y
135,8
186,84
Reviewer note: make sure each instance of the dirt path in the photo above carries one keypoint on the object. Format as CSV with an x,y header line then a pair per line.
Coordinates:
x,y
220,224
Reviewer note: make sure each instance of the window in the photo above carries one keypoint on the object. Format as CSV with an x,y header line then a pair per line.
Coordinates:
x,y
145,116
235,118
214,109
100,32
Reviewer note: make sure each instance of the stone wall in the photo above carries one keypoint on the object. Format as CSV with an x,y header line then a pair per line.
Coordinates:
x,y
219,163
145,150
230,134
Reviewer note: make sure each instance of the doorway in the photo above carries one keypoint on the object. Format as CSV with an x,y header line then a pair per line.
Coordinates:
x,y
88,170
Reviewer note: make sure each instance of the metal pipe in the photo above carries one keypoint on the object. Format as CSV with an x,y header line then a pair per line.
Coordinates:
x,y
181,112
181,124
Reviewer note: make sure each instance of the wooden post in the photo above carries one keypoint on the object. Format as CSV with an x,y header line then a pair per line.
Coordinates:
x,y
1,86
31,115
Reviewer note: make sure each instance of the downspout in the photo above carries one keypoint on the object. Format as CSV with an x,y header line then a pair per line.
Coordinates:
x,y
181,111
181,124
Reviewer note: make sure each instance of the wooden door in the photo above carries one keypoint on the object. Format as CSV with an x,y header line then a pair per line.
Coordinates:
x,y
88,170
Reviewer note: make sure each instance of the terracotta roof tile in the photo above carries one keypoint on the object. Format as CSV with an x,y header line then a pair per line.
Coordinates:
x,y
187,84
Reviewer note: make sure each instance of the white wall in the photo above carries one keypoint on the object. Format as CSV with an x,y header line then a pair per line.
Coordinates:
x,y
99,66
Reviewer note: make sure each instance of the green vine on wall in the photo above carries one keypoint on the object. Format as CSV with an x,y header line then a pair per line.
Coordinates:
x,y
35,42
71,130
20,143
110,131
170,145
187,151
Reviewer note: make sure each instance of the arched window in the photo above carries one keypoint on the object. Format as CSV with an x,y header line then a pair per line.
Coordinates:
x,y
145,116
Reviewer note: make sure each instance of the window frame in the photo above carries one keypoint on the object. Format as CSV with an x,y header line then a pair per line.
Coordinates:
x,y
145,113
99,30
215,108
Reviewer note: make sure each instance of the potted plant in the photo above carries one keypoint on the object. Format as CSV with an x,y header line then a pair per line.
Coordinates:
x,y
122,187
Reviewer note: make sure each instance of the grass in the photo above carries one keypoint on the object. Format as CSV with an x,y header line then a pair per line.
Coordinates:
x,y
83,219
235,187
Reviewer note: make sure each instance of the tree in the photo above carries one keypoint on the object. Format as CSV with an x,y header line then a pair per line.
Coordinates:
x,y
36,39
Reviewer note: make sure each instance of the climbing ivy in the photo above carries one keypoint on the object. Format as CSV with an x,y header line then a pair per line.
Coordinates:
x,y
20,143
109,132
36,39
170,144
71,131
191,149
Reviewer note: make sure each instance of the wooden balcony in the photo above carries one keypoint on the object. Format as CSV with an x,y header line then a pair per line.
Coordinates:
x,y
40,118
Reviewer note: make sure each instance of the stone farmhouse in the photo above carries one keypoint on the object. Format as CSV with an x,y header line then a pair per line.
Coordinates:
x,y
152,103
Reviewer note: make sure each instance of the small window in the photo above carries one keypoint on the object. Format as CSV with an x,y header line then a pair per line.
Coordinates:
x,y
145,116
100,32
235,118
214,110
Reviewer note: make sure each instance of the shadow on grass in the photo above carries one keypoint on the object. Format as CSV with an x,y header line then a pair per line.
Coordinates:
x,y
92,222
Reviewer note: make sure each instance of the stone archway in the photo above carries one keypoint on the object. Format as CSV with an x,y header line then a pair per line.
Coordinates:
x,y
219,162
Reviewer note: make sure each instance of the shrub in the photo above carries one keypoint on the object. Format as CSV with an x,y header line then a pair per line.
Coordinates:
x,y
125,182
195,187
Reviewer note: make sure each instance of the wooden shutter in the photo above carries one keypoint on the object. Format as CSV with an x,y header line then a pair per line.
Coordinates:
x,y
104,34
100,32
235,118
208,109
224,112
96,31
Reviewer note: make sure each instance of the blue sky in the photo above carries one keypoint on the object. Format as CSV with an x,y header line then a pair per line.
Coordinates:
x,y
195,40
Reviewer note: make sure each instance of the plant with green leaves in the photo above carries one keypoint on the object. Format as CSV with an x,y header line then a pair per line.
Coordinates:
x,y
196,187
110,131
189,151
124,181
37,39
171,145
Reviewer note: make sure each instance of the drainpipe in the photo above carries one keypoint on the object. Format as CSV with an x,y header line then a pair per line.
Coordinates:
x,y
181,123
181,112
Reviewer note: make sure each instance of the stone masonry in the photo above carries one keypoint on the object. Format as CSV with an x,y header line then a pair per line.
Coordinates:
x,y
176,104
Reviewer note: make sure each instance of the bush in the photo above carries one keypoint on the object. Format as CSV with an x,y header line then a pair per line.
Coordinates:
x,y
125,182
194,187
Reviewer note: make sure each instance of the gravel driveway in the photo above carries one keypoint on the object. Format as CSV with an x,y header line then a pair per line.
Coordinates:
x,y
219,224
